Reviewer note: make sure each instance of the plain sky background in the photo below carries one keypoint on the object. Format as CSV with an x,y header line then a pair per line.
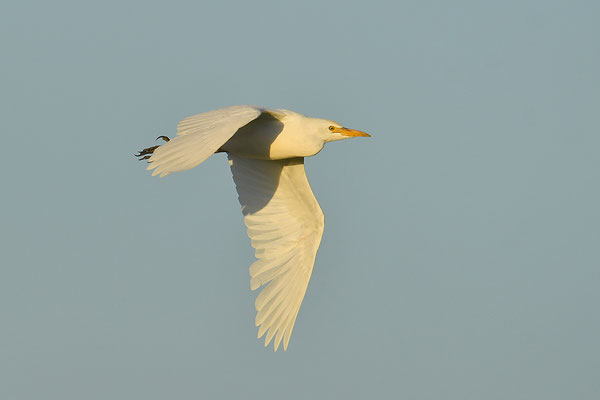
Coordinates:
x,y
461,252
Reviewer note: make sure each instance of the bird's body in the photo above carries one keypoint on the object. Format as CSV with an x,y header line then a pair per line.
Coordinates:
x,y
266,150
268,138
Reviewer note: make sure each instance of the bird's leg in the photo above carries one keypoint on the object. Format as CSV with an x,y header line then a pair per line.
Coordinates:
x,y
147,152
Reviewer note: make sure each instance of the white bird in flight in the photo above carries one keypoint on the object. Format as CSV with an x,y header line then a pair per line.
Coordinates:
x,y
266,150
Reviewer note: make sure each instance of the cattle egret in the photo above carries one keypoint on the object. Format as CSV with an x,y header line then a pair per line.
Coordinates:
x,y
266,150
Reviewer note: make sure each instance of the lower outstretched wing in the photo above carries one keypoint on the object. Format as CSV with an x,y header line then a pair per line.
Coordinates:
x,y
285,225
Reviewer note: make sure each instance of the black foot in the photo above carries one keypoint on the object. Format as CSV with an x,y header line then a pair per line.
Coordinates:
x,y
147,152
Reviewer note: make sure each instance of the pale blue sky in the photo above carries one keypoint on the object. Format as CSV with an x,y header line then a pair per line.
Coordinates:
x,y
461,251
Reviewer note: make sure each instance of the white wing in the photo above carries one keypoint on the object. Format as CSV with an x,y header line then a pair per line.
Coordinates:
x,y
198,137
285,225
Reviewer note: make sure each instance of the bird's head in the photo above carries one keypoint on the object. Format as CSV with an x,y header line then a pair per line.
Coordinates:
x,y
332,131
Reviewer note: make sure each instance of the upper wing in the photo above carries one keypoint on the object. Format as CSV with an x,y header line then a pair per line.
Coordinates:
x,y
198,137
285,225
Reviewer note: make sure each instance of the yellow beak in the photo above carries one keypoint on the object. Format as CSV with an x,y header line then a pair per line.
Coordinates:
x,y
350,132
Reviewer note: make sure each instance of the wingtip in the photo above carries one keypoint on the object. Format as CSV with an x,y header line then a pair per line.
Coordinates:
x,y
261,331
276,345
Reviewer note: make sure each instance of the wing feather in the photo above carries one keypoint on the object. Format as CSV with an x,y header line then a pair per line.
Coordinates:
x,y
198,137
285,225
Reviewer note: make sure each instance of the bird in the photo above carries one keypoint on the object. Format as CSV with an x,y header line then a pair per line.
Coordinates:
x,y
266,150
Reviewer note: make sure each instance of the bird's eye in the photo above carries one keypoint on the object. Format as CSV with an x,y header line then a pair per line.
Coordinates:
x,y
331,128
